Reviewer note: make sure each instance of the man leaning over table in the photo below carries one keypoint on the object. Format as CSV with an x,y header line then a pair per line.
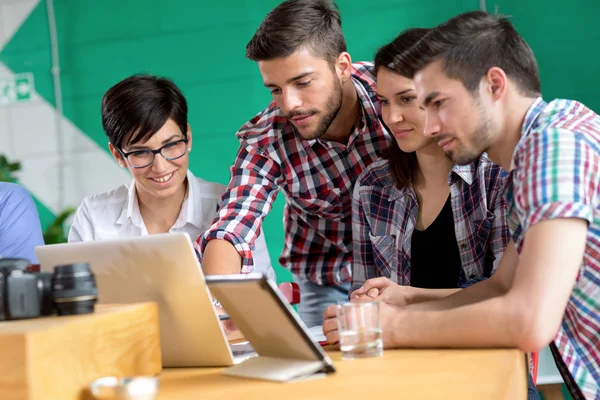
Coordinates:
x,y
311,143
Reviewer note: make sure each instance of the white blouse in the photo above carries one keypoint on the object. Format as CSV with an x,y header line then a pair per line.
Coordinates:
x,y
116,214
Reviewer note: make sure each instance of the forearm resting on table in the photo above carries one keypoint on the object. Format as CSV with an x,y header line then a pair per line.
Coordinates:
x,y
519,306
394,294
220,258
419,295
452,298
483,324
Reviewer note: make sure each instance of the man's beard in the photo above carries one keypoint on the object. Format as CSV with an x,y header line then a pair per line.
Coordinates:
x,y
332,108
480,140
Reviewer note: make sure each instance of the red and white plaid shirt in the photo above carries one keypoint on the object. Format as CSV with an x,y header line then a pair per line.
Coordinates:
x,y
317,177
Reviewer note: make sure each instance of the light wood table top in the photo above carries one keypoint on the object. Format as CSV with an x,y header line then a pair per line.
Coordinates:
x,y
400,374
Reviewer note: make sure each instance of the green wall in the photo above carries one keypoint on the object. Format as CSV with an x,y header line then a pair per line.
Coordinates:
x,y
566,42
201,46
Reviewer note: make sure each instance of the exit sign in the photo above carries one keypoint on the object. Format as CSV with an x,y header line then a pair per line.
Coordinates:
x,y
16,88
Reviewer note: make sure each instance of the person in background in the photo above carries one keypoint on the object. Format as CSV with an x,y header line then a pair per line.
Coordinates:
x,y
313,140
20,228
424,223
146,121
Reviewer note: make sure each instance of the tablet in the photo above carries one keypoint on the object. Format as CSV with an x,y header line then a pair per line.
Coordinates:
x,y
266,319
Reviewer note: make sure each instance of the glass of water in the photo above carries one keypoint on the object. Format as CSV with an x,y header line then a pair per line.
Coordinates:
x,y
359,327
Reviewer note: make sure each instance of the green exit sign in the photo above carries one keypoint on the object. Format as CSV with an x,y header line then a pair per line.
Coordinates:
x,y
16,88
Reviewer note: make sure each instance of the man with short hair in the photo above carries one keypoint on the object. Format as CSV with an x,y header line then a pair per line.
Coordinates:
x,y
478,81
20,228
314,139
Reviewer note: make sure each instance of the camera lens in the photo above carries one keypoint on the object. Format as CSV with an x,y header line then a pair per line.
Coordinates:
x,y
45,293
74,289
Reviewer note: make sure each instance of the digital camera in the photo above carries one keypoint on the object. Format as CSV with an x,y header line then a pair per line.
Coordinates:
x,y
70,290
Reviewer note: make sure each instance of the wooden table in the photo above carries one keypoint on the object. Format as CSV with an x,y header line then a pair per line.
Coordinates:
x,y
400,374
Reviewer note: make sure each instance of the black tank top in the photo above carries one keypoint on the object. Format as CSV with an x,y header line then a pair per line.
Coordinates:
x,y
435,258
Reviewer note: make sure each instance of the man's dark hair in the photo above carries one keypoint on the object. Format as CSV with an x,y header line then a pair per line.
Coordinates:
x,y
137,107
296,23
402,165
469,44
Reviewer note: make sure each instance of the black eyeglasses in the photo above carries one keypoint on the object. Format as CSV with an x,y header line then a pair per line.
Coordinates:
x,y
143,158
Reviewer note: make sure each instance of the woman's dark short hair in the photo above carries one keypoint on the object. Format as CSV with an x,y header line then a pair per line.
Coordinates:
x,y
138,106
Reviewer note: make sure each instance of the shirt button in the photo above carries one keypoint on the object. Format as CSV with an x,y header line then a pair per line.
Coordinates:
x,y
463,246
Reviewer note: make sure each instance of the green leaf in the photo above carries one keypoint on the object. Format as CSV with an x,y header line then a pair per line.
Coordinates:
x,y
7,168
55,232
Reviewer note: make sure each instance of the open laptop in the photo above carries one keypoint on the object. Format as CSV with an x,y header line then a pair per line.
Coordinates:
x,y
162,268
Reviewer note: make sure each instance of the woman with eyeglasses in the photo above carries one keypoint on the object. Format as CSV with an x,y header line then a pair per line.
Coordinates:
x,y
145,119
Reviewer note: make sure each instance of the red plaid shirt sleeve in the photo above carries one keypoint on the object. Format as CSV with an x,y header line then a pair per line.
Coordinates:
x,y
254,179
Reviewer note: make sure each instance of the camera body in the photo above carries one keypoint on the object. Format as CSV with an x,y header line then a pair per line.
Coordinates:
x,y
70,290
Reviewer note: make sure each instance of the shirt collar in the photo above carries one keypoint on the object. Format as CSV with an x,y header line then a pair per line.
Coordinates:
x,y
395,193
191,203
530,117
131,208
464,172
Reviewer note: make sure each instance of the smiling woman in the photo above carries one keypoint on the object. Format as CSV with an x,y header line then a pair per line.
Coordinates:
x,y
159,166
145,120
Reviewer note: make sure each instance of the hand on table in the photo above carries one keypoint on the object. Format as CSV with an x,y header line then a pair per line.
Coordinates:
x,y
383,289
387,315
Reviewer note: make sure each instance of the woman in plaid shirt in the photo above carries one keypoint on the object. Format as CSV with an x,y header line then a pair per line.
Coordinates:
x,y
418,219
